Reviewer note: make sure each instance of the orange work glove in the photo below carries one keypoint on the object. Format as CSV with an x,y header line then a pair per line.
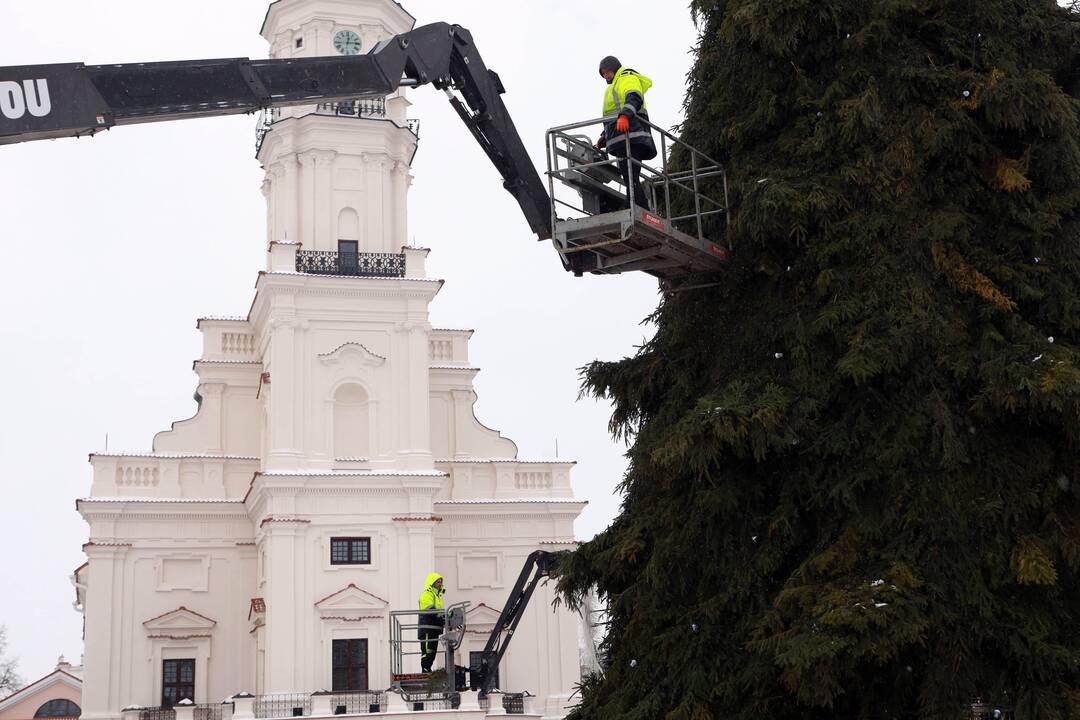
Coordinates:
x,y
622,124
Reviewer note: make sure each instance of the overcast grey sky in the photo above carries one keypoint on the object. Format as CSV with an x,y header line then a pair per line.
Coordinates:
x,y
116,244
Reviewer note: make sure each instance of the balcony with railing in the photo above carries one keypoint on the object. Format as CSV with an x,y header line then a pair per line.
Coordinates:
x,y
362,108
353,264
373,108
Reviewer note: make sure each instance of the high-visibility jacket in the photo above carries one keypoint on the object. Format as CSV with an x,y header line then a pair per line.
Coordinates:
x,y
626,96
431,599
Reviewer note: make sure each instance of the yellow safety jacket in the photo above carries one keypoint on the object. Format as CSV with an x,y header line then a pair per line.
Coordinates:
x,y
626,96
431,599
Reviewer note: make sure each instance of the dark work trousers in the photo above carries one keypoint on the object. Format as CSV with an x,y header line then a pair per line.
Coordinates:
x,y
631,173
429,646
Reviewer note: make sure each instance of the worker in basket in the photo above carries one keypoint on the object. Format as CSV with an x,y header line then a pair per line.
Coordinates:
x,y
626,116
431,623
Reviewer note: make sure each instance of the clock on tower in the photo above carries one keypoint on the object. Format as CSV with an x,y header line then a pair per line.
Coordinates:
x,y
347,42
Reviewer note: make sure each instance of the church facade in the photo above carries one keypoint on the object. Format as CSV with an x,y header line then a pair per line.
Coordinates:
x,y
334,459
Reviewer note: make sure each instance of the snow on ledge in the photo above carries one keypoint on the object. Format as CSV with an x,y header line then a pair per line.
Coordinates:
x,y
514,501
148,499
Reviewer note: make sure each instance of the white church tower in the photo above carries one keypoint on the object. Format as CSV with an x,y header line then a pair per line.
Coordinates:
x,y
334,459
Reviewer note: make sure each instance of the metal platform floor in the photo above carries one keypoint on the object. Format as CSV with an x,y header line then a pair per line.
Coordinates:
x,y
624,240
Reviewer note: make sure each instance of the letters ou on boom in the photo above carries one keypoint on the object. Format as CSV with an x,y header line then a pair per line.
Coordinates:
x,y
32,96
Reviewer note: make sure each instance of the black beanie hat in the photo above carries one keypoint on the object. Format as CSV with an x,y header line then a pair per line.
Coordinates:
x,y
610,63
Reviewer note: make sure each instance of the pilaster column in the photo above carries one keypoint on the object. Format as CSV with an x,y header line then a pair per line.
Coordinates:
x,y
399,190
459,421
211,409
374,185
277,201
283,439
267,190
284,618
107,690
415,379
292,205
324,200
308,193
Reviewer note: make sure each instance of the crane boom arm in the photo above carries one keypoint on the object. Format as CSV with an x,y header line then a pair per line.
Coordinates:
x,y
39,102
537,566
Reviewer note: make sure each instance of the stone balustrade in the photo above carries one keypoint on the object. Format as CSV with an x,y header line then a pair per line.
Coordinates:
x,y
172,476
508,479
228,339
449,347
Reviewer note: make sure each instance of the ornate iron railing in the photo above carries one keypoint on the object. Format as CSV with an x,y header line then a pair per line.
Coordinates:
x,y
322,262
208,711
367,107
282,705
157,713
513,703
431,703
357,703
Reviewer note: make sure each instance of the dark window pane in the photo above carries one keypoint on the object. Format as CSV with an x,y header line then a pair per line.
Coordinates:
x,y
58,708
350,551
177,681
340,682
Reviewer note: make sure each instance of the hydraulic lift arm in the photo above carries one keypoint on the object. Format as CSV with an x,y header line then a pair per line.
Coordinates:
x,y
38,102
538,565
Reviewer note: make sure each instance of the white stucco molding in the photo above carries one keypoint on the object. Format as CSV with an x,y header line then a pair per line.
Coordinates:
x,y
181,633
346,352
181,621
350,603
282,256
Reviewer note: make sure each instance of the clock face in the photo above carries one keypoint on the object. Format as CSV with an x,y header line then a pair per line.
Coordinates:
x,y
347,42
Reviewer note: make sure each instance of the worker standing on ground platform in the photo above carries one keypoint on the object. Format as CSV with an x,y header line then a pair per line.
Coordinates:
x,y
626,97
431,623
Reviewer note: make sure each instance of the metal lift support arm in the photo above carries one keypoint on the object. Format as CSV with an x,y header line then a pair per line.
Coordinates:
x,y
38,102
538,565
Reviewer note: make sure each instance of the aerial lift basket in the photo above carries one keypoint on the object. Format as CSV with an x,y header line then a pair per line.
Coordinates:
x,y
405,644
603,231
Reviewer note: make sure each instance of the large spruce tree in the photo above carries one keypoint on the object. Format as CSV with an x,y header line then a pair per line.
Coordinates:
x,y
854,488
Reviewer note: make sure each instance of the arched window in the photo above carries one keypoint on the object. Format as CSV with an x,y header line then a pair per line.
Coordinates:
x,y
350,422
58,708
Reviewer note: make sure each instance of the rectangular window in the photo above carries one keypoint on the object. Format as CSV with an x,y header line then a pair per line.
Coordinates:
x,y
350,551
177,681
474,665
350,666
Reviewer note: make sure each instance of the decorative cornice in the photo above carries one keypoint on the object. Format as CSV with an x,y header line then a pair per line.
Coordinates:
x,y
295,520
180,609
368,357
351,586
174,456
516,461
178,637
431,519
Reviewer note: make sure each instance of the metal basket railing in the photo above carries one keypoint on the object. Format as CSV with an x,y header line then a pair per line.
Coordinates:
x,y
157,713
282,705
357,703
573,160
513,703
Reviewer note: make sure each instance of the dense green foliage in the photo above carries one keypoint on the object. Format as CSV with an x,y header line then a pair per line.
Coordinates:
x,y
854,488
